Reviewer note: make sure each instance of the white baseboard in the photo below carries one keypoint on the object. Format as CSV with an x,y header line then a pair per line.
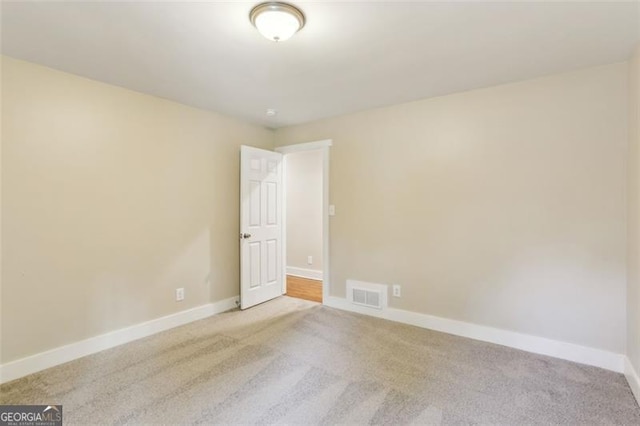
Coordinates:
x,y
540,345
34,363
311,274
632,377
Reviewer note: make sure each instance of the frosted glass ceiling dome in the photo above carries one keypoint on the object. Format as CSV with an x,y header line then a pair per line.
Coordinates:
x,y
277,21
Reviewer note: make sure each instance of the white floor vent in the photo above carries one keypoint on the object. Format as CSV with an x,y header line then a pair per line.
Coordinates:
x,y
367,294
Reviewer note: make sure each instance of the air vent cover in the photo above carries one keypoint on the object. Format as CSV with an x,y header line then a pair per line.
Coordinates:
x,y
366,294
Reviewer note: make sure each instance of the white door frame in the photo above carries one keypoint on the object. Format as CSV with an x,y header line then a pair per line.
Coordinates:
x,y
310,146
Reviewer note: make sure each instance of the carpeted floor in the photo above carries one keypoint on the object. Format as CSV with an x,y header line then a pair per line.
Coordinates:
x,y
297,362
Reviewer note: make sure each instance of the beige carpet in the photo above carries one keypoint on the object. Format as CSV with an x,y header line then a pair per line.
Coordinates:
x,y
297,362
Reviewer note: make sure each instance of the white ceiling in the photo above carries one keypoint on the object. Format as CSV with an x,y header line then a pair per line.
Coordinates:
x,y
350,56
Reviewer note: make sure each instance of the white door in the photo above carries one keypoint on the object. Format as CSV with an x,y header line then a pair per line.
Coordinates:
x,y
261,248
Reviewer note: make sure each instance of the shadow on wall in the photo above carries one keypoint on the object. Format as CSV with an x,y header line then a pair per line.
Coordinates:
x,y
141,284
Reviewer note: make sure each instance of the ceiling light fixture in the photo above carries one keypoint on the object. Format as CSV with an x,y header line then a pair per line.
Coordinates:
x,y
277,21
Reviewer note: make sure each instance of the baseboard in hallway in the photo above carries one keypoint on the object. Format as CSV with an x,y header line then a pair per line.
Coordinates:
x,y
304,288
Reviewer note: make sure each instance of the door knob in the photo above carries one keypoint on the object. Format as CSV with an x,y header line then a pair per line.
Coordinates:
x,y
245,236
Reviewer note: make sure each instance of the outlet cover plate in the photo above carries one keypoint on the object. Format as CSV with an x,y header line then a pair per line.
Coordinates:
x,y
396,290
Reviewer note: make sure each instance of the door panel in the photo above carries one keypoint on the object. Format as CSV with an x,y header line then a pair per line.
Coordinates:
x,y
261,228
255,261
254,203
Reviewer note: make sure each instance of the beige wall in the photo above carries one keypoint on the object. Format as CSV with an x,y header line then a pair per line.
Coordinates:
x,y
633,214
503,206
1,244
111,200
304,209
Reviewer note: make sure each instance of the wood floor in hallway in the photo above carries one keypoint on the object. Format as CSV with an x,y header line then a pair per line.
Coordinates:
x,y
304,288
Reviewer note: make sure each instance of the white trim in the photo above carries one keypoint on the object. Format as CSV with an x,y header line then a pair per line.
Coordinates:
x,y
34,363
308,146
326,223
221,306
540,345
632,377
283,231
312,274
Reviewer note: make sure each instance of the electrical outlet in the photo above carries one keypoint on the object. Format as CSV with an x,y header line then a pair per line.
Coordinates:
x,y
309,260
179,294
396,290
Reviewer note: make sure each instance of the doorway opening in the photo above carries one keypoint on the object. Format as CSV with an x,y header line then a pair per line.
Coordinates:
x,y
306,224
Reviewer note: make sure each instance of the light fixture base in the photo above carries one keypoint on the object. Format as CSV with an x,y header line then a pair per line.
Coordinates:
x,y
277,21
